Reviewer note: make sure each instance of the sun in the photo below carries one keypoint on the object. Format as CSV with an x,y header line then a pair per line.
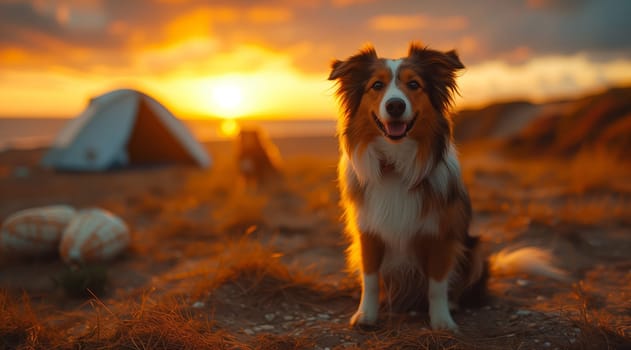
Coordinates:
x,y
229,128
227,100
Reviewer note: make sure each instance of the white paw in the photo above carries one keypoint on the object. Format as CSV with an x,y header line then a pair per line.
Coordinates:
x,y
443,322
362,318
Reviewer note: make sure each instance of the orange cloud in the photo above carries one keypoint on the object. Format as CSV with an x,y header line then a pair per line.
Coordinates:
x,y
198,23
391,23
345,3
260,14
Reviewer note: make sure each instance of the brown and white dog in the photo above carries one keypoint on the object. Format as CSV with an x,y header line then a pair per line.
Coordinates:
x,y
406,208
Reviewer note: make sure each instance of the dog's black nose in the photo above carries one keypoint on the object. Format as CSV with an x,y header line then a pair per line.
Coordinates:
x,y
395,107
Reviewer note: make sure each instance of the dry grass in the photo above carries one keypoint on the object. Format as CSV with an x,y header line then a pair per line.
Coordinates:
x,y
597,329
21,327
212,260
167,322
606,211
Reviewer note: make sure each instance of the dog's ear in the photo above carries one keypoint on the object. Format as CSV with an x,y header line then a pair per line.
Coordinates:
x,y
336,69
455,62
448,59
353,64
351,76
438,70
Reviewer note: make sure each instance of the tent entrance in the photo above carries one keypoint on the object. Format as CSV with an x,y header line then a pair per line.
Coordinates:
x,y
150,141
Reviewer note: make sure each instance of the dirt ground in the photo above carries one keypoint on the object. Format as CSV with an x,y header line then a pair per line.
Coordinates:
x,y
214,264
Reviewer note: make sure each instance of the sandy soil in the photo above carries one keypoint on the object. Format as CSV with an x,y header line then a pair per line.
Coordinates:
x,y
214,264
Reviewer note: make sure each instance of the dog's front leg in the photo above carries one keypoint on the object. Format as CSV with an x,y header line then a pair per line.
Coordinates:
x,y
372,250
437,257
439,315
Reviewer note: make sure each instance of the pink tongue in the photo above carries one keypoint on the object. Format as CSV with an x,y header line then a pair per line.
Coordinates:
x,y
395,128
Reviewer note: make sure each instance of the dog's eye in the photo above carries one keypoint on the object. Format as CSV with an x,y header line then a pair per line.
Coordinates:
x,y
414,85
378,85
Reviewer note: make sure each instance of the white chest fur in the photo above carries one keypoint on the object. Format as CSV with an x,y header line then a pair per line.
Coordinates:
x,y
390,208
392,211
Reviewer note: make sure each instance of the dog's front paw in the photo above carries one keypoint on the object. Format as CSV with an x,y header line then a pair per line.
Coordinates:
x,y
363,319
443,322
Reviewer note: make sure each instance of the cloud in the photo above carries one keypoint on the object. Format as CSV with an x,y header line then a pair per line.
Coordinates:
x,y
72,14
346,3
483,30
140,39
417,21
562,5
262,14
542,78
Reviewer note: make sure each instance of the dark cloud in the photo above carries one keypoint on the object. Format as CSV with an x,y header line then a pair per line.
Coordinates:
x,y
22,26
19,18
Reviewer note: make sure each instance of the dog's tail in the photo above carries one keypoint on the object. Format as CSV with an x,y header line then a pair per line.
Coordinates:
x,y
529,260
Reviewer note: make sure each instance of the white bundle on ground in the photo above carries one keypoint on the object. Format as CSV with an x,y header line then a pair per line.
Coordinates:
x,y
84,236
36,231
94,235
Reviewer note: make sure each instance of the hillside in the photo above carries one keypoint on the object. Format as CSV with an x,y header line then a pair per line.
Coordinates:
x,y
595,122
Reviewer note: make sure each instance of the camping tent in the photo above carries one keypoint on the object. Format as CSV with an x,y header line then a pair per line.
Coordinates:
x,y
123,128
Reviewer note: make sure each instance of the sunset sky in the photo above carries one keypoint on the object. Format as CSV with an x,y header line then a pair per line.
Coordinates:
x,y
271,58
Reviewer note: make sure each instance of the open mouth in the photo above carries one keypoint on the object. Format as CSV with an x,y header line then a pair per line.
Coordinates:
x,y
395,130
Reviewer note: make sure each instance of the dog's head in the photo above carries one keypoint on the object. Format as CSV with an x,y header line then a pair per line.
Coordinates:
x,y
393,97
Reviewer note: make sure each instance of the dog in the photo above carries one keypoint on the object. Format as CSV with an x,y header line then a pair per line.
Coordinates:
x,y
406,209
258,159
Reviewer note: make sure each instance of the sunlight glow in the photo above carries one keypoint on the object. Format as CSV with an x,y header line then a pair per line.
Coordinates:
x,y
226,98
229,128
279,90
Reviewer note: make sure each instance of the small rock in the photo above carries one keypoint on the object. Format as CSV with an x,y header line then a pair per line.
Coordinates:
x,y
513,317
264,327
311,318
270,317
324,316
522,283
535,340
288,317
488,307
540,298
198,305
248,331
523,312
547,344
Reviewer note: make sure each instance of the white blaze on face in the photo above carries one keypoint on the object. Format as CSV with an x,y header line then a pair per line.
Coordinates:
x,y
393,91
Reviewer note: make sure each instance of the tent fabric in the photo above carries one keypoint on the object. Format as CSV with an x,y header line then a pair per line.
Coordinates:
x,y
122,128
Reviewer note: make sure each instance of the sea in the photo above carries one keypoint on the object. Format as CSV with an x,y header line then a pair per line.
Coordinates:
x,y
30,133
